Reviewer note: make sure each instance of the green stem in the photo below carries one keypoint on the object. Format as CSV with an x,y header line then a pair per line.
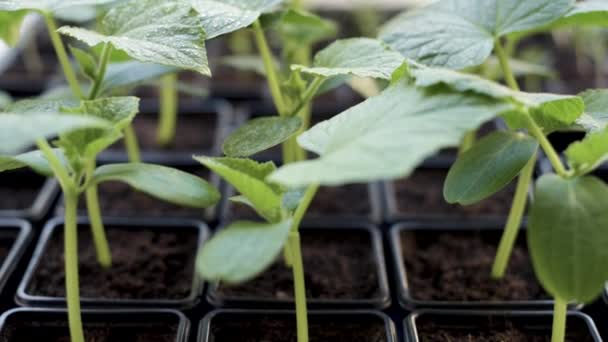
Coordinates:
x,y
298,215
60,172
467,142
516,214
62,55
71,266
271,72
101,70
132,145
168,110
104,256
550,152
560,311
504,64
299,285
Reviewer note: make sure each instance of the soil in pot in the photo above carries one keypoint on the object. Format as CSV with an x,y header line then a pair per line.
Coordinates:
x,y
146,264
456,266
56,330
283,329
495,329
19,189
422,194
339,264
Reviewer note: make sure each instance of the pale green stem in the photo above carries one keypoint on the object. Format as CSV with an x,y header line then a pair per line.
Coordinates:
x,y
503,58
298,215
101,70
516,214
62,55
104,256
299,285
270,68
70,232
168,110
132,145
560,312
550,152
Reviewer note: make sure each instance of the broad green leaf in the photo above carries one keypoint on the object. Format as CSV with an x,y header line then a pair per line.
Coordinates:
x,y
81,15
304,28
588,12
460,33
152,31
242,251
10,26
162,182
86,62
567,236
46,5
40,105
387,136
34,160
132,73
248,178
586,155
19,131
5,100
363,57
490,165
596,110
224,16
260,134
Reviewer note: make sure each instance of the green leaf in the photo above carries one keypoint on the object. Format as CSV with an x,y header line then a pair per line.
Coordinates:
x,y
363,57
596,110
162,182
260,134
305,28
248,178
242,251
19,131
40,105
460,33
86,62
567,236
586,155
34,160
10,26
131,73
588,12
152,31
220,17
5,100
387,136
490,165
46,5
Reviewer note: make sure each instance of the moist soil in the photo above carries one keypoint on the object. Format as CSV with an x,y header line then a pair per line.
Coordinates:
x,y
339,264
146,264
283,329
194,132
494,330
422,194
57,331
443,266
19,189
120,200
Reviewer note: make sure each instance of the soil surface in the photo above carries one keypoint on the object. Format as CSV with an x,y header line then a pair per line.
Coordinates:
x,y
422,194
147,264
339,264
57,331
283,329
194,132
494,330
19,189
456,267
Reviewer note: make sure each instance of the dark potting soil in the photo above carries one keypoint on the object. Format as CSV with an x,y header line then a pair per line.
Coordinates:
x,y
339,264
19,189
456,267
194,132
146,264
57,331
283,329
120,200
494,329
422,194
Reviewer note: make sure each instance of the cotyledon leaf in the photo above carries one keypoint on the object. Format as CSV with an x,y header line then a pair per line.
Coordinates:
x,y
33,159
47,5
586,155
260,134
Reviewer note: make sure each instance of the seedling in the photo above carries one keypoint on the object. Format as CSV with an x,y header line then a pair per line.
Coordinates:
x,y
161,32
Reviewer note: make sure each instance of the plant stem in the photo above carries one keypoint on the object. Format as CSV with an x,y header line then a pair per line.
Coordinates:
x,y
271,72
550,152
101,70
467,142
560,311
168,110
62,55
60,172
299,285
516,214
104,256
504,64
132,145
298,215
70,232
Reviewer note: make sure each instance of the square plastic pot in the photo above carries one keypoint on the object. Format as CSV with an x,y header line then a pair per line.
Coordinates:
x,y
18,235
43,202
